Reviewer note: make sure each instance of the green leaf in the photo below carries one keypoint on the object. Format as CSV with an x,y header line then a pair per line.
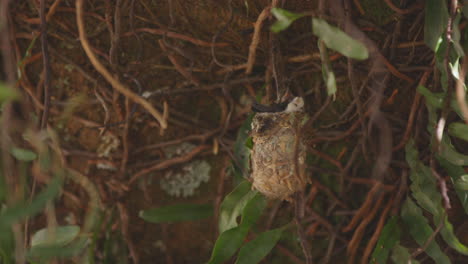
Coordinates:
x,y
436,17
23,154
241,151
424,190
455,172
63,235
6,93
284,19
177,213
448,151
388,238
233,205
253,209
433,99
27,209
249,143
401,255
255,250
420,230
338,40
459,130
331,83
227,244
230,240
456,36
462,183
44,253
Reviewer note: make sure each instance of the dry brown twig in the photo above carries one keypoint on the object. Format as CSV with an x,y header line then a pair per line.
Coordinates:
x,y
107,75
256,39
168,163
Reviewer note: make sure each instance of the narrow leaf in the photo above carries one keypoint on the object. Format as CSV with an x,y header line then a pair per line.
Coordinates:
x,y
459,130
233,205
23,154
23,210
338,40
227,244
253,210
6,93
63,235
255,250
388,238
436,17
461,183
229,241
401,255
456,172
420,230
177,213
241,151
284,19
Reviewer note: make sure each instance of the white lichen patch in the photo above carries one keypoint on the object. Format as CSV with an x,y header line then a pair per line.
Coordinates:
x,y
185,181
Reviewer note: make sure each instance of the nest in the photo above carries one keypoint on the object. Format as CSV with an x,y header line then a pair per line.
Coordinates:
x,y
278,154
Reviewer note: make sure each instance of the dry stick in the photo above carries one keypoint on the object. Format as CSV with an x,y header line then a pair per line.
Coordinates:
x,y
460,91
364,208
414,107
442,184
188,75
377,231
107,75
289,254
411,9
46,65
123,162
124,219
256,39
359,233
52,9
175,35
168,163
359,7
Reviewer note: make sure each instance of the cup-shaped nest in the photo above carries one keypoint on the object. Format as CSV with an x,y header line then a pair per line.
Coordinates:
x,y
278,154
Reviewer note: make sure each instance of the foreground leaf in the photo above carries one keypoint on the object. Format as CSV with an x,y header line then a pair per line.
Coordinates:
x,y
388,238
420,230
401,255
23,154
284,19
233,205
424,190
63,235
338,40
6,93
227,244
230,241
459,130
436,17
177,213
22,210
242,152
254,251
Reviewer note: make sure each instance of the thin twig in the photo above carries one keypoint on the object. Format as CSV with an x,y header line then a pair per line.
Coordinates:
x,y
107,75
168,163
256,39
46,65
